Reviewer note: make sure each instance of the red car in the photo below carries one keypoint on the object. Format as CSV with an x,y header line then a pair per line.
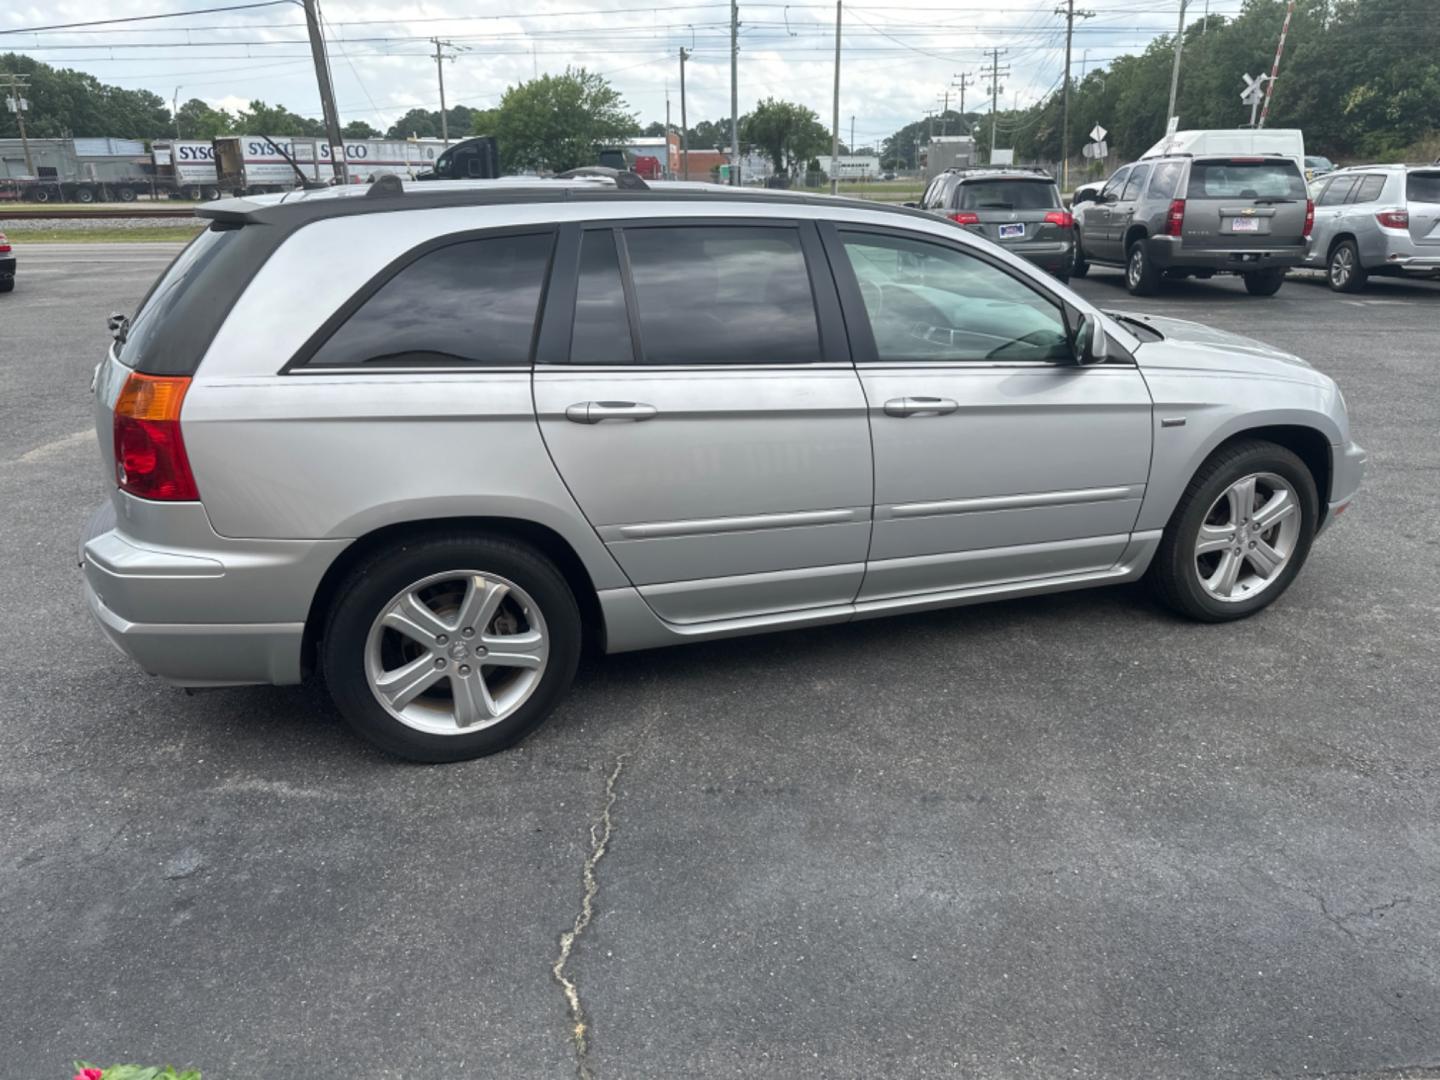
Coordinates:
x,y
7,265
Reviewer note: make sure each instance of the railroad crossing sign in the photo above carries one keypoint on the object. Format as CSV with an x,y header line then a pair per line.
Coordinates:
x,y
1098,133
1254,88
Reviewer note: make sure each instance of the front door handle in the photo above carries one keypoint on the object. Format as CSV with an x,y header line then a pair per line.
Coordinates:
x,y
592,412
920,406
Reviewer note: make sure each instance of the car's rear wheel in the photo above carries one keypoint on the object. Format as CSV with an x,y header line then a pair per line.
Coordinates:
x,y
1344,271
1264,282
1142,277
452,647
7,284
1240,534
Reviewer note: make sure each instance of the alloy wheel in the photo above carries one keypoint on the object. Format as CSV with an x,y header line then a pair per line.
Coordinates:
x,y
1342,265
456,652
1135,268
1248,537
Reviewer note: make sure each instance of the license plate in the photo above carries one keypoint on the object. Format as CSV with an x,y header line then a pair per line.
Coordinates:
x,y
1010,232
1244,224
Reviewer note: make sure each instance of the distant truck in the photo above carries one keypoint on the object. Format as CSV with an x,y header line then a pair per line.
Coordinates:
x,y
78,170
247,164
948,152
1222,142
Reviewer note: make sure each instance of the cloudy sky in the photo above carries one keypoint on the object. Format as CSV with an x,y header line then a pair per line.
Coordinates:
x,y
898,59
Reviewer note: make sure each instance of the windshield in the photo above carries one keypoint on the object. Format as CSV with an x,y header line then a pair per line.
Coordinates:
x,y
1239,178
1009,195
1423,187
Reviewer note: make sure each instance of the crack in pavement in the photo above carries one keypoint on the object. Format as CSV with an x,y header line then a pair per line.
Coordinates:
x,y
600,833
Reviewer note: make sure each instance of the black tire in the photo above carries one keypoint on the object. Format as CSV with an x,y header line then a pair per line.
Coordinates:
x,y
211,193
193,192
84,195
1078,266
1343,270
40,195
125,194
7,285
1174,575
1264,282
374,582
1142,276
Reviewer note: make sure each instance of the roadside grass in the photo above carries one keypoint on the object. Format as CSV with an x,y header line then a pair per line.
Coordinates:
x,y
144,234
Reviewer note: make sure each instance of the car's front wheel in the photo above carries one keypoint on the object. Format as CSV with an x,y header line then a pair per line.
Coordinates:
x,y
1240,534
1142,276
451,647
1078,266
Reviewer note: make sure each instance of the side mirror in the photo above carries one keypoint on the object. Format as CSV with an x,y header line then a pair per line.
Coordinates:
x,y
911,205
1088,195
1089,343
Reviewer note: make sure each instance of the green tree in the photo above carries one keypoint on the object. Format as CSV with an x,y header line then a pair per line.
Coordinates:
x,y
425,123
786,133
196,120
276,120
65,102
359,129
559,122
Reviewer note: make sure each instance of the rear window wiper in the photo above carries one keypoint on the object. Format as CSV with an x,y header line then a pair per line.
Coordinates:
x,y
995,206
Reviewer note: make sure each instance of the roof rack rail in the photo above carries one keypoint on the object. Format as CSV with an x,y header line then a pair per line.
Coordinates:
x,y
624,179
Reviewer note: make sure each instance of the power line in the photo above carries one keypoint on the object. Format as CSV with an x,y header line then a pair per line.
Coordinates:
x,y
145,18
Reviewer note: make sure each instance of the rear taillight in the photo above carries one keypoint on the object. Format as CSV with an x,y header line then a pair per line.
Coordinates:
x,y
1394,219
1309,217
965,217
150,459
1063,218
4,244
1175,217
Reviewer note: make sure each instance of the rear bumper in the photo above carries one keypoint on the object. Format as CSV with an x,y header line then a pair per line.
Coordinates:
x,y
1054,256
229,613
1169,253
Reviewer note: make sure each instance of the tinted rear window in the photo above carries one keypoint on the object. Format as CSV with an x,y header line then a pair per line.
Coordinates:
x,y
1423,187
1237,179
1009,195
166,304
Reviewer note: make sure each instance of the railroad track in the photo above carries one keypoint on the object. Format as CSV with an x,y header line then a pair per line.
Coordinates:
x,y
32,212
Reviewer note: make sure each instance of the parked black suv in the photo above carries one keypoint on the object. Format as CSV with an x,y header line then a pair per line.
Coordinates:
x,y
1183,216
1019,209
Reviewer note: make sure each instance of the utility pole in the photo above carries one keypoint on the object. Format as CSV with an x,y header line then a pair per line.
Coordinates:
x,y
966,79
734,91
1069,12
1275,70
440,58
993,73
835,125
669,173
175,110
1175,71
684,127
15,101
327,92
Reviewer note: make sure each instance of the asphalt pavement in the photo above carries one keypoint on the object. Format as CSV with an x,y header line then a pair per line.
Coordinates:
x,y
1067,836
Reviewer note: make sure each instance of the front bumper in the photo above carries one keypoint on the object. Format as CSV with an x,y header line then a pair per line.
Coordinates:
x,y
1347,470
205,610
1169,253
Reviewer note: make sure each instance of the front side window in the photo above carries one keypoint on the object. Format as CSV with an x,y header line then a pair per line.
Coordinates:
x,y
1136,183
929,302
1115,184
1246,178
471,303
722,294
1008,195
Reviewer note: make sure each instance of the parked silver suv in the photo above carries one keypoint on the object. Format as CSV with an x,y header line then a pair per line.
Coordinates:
x,y
516,416
1183,216
1376,219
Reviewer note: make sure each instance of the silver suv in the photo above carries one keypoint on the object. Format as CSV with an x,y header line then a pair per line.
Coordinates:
x,y
518,416
1376,219
1183,216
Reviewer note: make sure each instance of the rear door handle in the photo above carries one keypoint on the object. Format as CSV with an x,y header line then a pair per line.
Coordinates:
x,y
920,406
592,412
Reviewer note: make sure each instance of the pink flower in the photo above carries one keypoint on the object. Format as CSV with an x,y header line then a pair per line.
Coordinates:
x,y
90,1074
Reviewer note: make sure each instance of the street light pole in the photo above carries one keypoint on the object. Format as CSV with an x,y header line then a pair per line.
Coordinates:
x,y
1175,71
684,128
835,125
734,91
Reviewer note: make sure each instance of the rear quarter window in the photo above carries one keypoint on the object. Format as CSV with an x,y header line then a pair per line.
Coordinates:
x,y
1166,179
1009,195
1236,178
1423,187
